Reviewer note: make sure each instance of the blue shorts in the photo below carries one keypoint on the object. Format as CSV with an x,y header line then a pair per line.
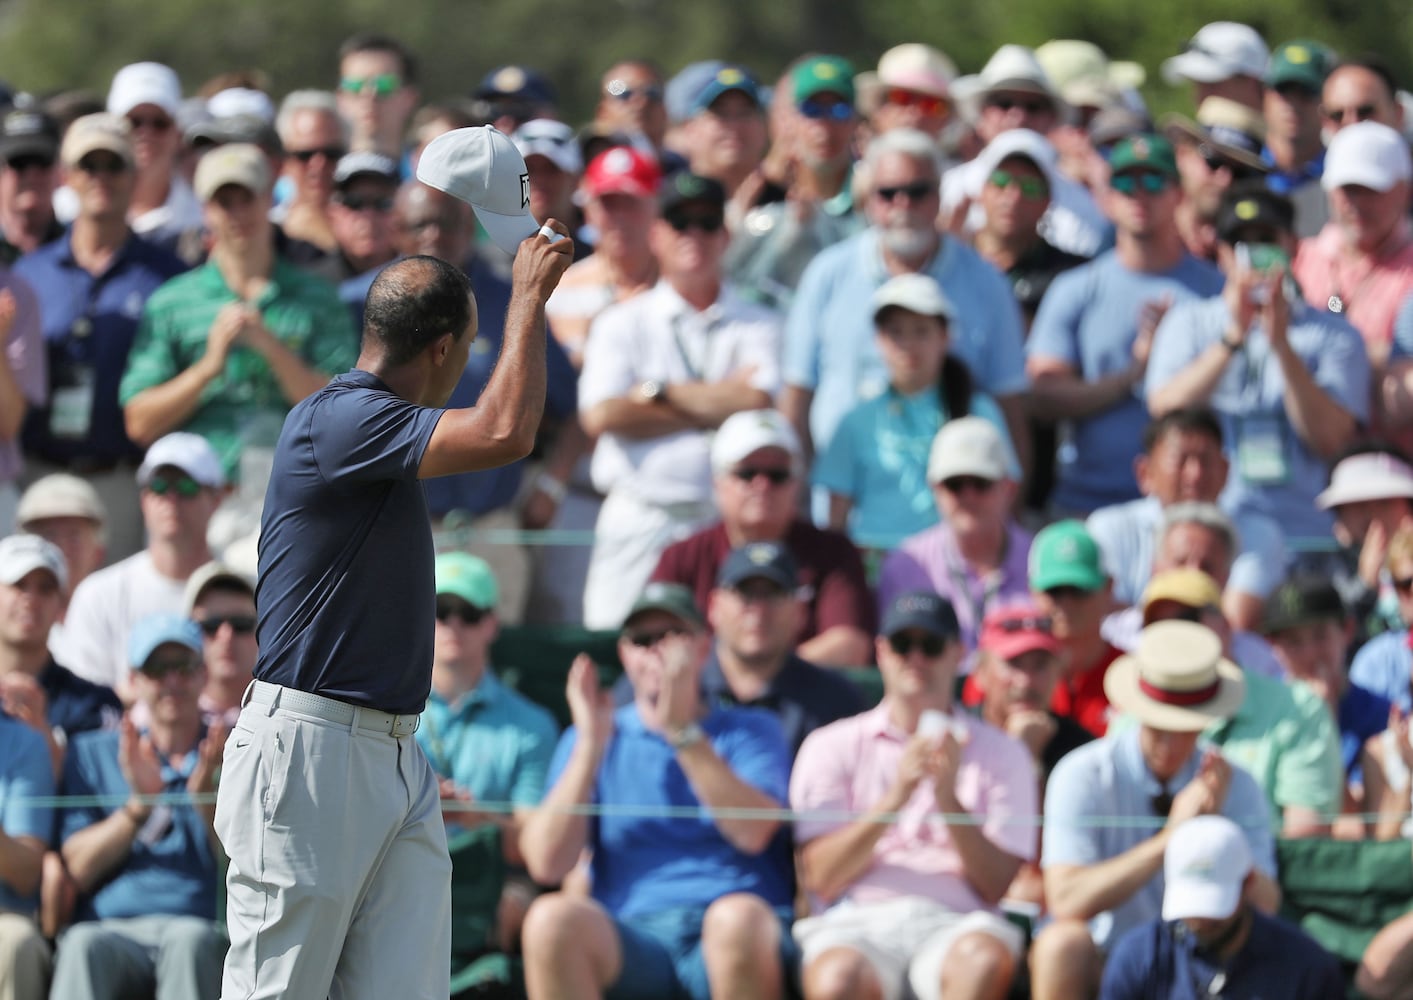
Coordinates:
x,y
662,955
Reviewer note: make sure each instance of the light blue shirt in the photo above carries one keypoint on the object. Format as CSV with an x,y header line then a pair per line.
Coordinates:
x,y
1095,801
1088,320
1251,395
494,742
1127,535
878,459
830,347
1384,665
1403,330
26,773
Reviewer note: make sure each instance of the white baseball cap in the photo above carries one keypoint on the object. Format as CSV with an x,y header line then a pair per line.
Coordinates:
x,y
186,451
1372,476
968,446
145,83
1204,866
1219,51
21,555
553,140
1025,143
1015,67
60,495
914,292
1368,154
742,434
241,101
482,167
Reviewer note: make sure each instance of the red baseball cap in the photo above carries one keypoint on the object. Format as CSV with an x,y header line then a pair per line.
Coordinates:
x,y
1016,629
622,170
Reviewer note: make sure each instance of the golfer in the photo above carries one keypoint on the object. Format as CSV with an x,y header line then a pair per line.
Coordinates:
x,y
339,879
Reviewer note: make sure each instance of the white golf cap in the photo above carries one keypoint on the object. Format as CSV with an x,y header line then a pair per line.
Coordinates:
x,y
21,555
1367,154
1373,476
1015,68
60,495
145,83
743,434
1219,51
553,140
1204,866
241,101
482,167
1025,143
968,446
186,451
914,292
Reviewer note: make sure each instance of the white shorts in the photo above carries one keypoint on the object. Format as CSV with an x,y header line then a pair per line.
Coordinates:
x,y
905,940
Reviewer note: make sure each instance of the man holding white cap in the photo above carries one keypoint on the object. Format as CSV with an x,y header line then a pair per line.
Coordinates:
x,y
757,475
1211,941
350,851
1224,59
163,208
224,351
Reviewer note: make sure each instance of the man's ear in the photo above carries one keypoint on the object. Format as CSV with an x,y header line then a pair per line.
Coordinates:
x,y
441,349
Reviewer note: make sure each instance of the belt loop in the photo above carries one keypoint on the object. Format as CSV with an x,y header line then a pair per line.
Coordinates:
x,y
249,690
356,722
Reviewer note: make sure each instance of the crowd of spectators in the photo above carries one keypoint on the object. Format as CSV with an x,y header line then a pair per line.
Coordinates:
x,y
1089,432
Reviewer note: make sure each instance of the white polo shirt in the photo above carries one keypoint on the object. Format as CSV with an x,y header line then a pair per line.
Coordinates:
x,y
658,336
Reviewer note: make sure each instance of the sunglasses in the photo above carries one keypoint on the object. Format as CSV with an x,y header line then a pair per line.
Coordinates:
x,y
157,123
1031,188
959,484
1066,592
1295,92
749,474
1217,162
1362,113
382,85
158,667
330,153
364,203
1130,184
1161,804
1403,585
620,91
759,592
30,161
647,640
915,191
95,166
839,111
928,104
1030,623
708,223
1031,107
240,624
930,645
454,607
183,486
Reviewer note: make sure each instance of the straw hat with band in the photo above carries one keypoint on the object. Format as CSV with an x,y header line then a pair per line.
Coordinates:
x,y
1177,679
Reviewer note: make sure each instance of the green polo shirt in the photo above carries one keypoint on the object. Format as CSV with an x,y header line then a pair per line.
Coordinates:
x,y
301,310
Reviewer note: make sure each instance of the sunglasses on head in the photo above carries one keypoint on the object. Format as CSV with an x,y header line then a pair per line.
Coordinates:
x,y
157,123
706,222
1031,188
959,484
240,624
382,85
454,607
29,161
930,645
838,111
750,473
1033,106
158,667
96,165
1029,623
620,91
1361,113
1140,180
647,640
363,203
915,191
928,104
330,153
183,486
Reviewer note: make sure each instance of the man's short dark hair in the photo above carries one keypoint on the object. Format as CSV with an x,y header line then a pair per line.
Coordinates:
x,y
1374,64
412,303
1183,420
371,41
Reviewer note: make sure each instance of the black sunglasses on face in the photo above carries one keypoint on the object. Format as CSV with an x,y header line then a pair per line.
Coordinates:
x,y
959,484
915,191
158,667
360,203
1032,107
330,153
240,624
683,221
647,640
453,607
930,645
749,474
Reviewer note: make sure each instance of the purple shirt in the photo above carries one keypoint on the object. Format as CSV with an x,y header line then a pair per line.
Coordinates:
x,y
24,351
930,560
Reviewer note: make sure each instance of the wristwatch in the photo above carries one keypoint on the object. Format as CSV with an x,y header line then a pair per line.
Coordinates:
x,y
689,735
652,391
1230,343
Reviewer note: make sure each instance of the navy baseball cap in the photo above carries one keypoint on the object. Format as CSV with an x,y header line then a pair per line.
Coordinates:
x,y
922,610
759,561
728,77
517,83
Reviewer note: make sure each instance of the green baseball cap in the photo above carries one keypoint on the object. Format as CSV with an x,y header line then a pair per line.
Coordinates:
x,y
467,577
673,598
823,75
1065,555
1302,62
1144,151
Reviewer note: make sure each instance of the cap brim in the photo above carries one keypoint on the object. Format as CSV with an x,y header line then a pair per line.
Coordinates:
x,y
507,231
1121,687
1359,492
24,566
1360,174
29,145
1196,68
621,185
1011,645
1183,900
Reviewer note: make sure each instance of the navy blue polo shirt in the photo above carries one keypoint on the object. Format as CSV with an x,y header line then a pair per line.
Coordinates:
x,y
76,705
1160,961
89,323
346,590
